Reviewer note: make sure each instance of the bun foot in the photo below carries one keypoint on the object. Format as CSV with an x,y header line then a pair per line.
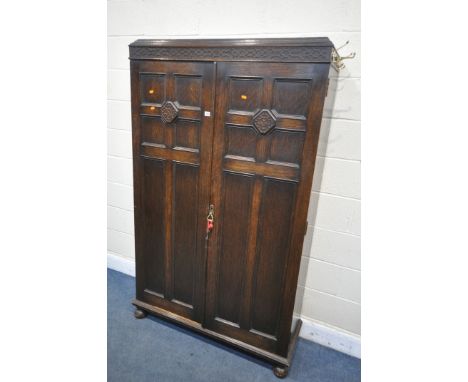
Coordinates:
x,y
281,372
139,313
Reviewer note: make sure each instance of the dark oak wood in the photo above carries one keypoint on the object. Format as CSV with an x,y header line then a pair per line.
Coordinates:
x,y
282,370
172,162
264,50
259,189
233,124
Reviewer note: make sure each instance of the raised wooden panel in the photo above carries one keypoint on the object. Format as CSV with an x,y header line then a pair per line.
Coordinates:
x,y
286,146
245,93
272,250
239,118
240,141
152,130
232,246
152,110
278,170
189,113
152,199
185,224
187,134
288,122
188,90
152,88
291,96
149,150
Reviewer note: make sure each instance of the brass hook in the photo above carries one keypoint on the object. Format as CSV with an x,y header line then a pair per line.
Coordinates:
x,y
337,59
342,46
210,213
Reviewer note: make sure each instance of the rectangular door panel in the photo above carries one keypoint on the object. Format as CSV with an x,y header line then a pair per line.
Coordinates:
x,y
152,187
232,246
274,230
265,138
184,232
172,161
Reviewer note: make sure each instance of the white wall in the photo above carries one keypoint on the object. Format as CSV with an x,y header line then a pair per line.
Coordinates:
x,y
329,283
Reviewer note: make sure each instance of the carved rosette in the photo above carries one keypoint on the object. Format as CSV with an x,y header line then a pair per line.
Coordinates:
x,y
168,112
264,121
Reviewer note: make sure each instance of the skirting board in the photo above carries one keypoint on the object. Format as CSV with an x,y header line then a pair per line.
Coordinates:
x,y
331,337
121,264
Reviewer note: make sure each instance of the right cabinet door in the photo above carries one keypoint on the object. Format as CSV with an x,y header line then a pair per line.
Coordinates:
x,y
267,121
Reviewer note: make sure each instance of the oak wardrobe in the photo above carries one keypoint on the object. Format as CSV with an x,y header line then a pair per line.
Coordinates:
x,y
225,136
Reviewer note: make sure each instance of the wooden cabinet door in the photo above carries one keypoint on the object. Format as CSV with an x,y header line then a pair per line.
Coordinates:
x,y
172,144
266,132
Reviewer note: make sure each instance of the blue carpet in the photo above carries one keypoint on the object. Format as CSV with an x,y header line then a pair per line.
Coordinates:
x,y
153,350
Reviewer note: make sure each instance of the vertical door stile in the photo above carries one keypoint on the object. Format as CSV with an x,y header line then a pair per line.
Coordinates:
x,y
215,199
169,200
137,217
205,198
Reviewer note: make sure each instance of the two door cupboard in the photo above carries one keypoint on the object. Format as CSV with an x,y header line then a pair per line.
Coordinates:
x,y
225,136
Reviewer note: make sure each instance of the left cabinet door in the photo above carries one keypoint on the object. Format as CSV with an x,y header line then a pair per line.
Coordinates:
x,y
172,140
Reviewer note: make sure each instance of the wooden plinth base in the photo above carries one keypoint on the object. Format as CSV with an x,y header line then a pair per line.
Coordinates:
x,y
281,364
